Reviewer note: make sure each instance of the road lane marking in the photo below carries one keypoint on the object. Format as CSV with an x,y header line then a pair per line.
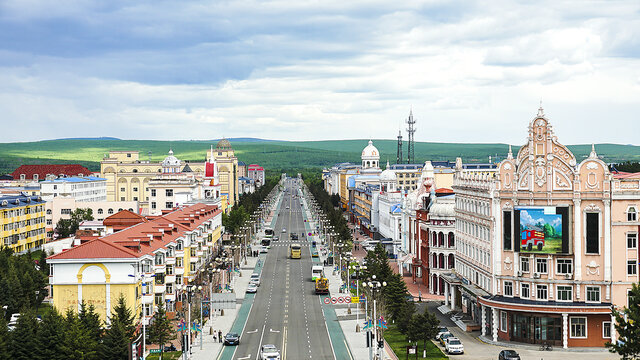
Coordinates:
x,y
284,343
252,331
245,358
260,343
274,331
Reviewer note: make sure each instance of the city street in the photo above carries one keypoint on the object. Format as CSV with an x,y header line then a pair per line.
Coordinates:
x,y
285,311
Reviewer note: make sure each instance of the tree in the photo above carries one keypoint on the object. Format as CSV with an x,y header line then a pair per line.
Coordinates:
x,y
23,337
628,327
160,331
5,341
67,227
90,321
404,317
117,337
77,343
50,337
395,295
422,327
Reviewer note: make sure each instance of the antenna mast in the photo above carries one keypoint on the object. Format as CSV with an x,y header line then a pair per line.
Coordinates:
x,y
399,151
411,130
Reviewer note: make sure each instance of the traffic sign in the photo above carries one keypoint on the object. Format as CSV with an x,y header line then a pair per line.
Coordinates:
x,y
340,299
347,299
327,300
334,300
355,299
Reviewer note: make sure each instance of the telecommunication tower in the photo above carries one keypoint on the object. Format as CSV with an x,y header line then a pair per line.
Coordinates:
x,y
399,158
411,130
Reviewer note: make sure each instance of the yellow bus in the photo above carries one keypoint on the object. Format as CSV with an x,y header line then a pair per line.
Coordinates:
x,y
295,251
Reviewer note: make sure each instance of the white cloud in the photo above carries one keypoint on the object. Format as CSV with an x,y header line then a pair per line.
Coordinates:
x,y
472,72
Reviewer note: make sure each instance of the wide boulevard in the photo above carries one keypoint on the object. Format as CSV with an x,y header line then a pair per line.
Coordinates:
x,y
285,311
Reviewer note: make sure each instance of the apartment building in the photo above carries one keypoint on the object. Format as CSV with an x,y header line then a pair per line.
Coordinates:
x,y
82,189
22,222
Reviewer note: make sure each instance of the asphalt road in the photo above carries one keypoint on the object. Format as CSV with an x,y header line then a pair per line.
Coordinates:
x,y
285,311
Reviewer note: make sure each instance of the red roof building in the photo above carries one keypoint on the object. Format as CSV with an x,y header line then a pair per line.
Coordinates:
x,y
40,172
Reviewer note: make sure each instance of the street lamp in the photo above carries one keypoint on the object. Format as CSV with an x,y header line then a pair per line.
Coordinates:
x,y
189,290
356,268
376,287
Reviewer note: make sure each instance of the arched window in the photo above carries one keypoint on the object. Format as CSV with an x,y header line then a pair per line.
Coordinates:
x,y
110,211
441,261
440,238
632,214
452,242
451,261
100,211
49,211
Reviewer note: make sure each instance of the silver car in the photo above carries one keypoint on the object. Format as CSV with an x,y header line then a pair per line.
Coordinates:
x,y
269,352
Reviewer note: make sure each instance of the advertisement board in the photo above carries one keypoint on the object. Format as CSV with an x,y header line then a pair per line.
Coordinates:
x,y
542,230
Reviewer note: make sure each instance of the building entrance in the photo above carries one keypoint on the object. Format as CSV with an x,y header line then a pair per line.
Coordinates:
x,y
536,329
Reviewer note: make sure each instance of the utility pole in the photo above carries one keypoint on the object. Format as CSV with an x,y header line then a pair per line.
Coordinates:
x,y
411,130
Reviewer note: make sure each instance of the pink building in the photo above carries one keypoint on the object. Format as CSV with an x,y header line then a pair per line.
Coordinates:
x,y
553,227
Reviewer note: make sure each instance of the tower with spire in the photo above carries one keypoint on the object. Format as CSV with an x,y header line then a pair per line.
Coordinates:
x,y
411,130
399,151
211,182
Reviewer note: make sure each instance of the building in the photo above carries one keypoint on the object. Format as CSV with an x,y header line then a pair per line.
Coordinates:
x,y
42,172
22,222
144,263
536,243
256,172
440,245
82,189
246,185
227,167
242,169
62,207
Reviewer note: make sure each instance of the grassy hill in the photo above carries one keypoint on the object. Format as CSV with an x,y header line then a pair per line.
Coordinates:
x,y
273,155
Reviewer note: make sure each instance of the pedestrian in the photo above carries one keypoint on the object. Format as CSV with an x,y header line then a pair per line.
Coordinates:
x,y
214,336
220,335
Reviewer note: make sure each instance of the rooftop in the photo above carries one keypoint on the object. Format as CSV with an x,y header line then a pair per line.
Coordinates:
x,y
75,179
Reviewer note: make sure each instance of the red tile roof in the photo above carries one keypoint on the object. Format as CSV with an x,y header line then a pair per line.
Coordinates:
x,y
444,191
44,170
626,175
95,249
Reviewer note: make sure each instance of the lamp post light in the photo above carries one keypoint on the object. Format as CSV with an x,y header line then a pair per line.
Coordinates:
x,y
376,287
190,290
356,268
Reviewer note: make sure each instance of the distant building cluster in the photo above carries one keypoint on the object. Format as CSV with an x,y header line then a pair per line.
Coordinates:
x,y
524,248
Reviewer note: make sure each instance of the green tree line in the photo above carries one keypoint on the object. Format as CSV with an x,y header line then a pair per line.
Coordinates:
x,y
23,282
247,205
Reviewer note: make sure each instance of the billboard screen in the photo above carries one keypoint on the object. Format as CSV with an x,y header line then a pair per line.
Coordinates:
x,y
542,229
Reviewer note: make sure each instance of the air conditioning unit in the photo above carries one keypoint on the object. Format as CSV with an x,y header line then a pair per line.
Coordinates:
x,y
568,276
519,273
536,275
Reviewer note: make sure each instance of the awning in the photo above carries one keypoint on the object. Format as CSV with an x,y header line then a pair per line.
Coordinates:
x,y
406,258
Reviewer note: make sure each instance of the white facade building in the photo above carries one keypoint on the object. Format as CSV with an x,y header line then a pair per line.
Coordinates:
x,y
88,188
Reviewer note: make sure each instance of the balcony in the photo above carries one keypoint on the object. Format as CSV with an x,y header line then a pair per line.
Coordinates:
x,y
159,288
158,269
147,299
179,270
193,259
170,297
170,279
171,261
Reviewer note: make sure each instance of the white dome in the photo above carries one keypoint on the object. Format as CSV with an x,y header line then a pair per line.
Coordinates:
x,y
388,175
170,160
370,152
443,207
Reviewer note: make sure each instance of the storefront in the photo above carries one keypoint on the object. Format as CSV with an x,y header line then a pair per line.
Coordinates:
x,y
565,324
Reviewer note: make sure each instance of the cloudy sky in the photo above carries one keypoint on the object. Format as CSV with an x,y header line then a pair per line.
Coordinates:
x,y
472,71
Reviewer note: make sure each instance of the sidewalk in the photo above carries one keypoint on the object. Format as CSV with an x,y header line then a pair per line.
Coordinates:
x,y
211,348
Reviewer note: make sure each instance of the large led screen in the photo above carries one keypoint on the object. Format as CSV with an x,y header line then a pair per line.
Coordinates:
x,y
542,229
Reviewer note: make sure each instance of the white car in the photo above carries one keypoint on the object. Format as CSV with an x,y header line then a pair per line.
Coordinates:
x,y
255,279
269,352
284,230
252,288
454,346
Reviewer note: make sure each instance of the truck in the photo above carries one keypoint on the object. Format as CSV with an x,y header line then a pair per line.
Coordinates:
x,y
322,285
531,238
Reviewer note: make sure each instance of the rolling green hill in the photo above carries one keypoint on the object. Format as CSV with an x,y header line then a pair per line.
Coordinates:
x,y
273,155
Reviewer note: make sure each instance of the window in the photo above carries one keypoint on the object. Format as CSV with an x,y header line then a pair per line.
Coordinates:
x,y
541,292
564,266
508,288
565,293
524,291
606,329
49,211
122,189
153,192
631,267
192,267
65,211
503,321
593,294
169,269
168,192
506,229
158,299
128,155
168,205
632,215
593,233
122,198
135,198
135,189
578,327
178,280
153,204
179,262
100,211
524,264
192,252
541,266
169,289
632,240
49,222
110,211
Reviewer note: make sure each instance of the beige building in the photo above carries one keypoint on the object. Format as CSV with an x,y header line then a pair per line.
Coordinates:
x,y
129,178
61,208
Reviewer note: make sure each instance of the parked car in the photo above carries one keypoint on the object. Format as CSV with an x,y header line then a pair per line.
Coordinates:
x,y
508,355
264,249
276,238
252,288
269,352
232,339
170,348
441,330
444,337
255,279
454,346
